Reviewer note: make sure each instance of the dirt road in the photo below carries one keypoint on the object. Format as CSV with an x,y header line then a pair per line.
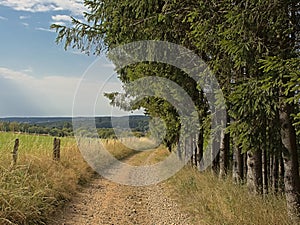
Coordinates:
x,y
104,202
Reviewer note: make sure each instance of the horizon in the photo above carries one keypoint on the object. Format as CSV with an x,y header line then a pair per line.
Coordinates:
x,y
96,116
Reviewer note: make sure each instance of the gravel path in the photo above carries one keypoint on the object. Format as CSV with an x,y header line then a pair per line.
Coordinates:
x,y
108,203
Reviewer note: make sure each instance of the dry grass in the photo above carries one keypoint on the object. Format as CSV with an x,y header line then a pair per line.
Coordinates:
x,y
117,149
37,186
31,191
212,201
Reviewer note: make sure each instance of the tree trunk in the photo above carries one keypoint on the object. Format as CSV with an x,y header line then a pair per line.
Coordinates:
x,y
245,165
235,175
281,173
224,154
193,150
275,172
187,155
291,164
215,156
200,143
265,172
254,174
179,150
238,165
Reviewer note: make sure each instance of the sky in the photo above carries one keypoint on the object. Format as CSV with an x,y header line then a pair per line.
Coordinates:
x,y
37,76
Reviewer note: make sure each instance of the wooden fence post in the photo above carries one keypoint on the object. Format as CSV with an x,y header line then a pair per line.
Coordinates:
x,y
56,149
15,151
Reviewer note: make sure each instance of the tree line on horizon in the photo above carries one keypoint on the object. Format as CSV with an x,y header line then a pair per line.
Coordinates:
x,y
62,129
251,46
65,129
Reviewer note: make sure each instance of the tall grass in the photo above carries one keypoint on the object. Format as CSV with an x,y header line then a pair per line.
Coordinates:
x,y
212,201
32,190
150,157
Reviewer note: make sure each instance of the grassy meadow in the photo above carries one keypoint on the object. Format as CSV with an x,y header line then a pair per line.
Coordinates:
x,y
36,186
31,190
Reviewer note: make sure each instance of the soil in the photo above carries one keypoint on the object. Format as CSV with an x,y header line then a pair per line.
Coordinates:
x,y
104,202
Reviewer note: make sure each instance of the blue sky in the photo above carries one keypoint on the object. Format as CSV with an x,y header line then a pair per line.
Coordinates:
x,y
37,77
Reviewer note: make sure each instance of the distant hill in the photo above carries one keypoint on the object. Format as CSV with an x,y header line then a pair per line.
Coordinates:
x,y
36,120
138,122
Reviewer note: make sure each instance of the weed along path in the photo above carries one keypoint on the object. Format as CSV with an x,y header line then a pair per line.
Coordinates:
x,y
108,203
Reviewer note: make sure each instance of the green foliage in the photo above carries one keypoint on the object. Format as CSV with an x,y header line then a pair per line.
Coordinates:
x,y
237,40
106,133
289,78
62,128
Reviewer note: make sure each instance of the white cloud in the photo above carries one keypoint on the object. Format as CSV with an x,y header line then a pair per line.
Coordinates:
x,y
52,95
62,18
109,65
13,75
75,6
29,69
3,18
61,23
44,29
76,52
24,17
